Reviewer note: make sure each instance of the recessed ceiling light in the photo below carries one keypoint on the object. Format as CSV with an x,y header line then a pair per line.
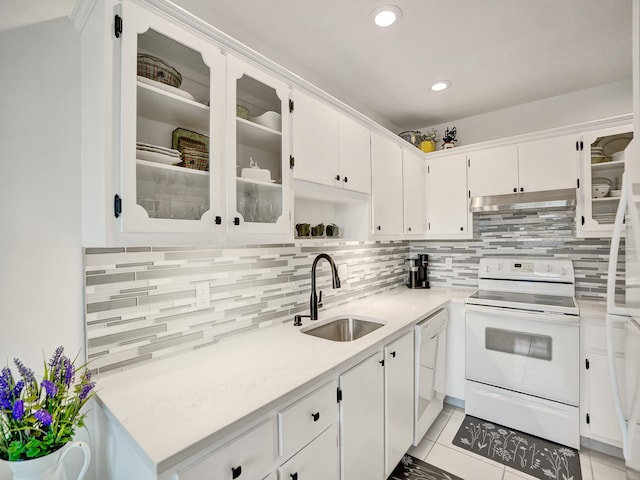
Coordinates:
x,y
440,85
386,15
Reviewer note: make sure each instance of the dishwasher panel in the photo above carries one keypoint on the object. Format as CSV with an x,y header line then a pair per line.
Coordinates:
x,y
430,355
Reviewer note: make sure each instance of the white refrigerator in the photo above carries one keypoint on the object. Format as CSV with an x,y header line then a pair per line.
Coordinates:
x,y
626,310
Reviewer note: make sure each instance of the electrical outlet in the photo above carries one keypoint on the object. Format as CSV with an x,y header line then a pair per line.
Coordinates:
x,y
448,262
343,273
203,297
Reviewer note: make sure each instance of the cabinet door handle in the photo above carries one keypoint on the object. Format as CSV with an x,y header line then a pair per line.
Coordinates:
x,y
218,220
316,416
236,220
346,179
462,229
379,228
236,471
409,228
515,190
338,177
294,476
381,362
393,354
522,189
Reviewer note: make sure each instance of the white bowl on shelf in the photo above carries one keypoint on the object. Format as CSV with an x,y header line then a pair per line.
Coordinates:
x,y
272,120
615,193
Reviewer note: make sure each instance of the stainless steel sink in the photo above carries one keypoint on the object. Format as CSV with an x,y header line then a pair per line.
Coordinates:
x,y
343,329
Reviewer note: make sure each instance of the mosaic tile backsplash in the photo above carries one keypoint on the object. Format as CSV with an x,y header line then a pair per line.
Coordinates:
x,y
550,233
141,302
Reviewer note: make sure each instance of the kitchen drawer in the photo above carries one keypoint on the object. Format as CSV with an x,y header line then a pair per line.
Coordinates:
x,y
305,419
317,461
245,457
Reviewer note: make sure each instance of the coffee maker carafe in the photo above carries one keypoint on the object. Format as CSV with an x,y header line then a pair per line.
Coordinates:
x,y
417,271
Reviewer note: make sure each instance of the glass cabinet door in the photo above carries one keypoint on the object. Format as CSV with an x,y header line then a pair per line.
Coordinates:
x,y
602,168
258,122
172,99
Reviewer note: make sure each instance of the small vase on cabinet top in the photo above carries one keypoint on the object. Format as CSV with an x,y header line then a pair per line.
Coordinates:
x,y
50,466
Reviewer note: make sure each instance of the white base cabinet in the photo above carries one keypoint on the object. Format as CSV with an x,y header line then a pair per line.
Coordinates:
x,y
598,419
361,427
376,411
399,396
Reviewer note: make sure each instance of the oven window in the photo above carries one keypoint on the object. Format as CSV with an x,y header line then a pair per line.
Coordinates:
x,y
518,343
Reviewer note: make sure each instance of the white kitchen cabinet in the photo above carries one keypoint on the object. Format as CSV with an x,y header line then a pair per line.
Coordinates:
x,y
377,411
248,456
414,179
448,215
362,413
595,216
534,166
386,186
156,195
354,147
315,140
317,461
493,171
329,147
548,164
597,409
399,396
455,358
258,197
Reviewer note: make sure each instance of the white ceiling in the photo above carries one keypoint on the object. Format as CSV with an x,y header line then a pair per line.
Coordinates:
x,y
496,53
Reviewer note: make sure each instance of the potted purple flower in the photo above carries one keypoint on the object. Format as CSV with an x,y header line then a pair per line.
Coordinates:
x,y
38,419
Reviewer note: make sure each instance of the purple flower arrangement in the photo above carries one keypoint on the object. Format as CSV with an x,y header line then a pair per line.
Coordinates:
x,y
38,418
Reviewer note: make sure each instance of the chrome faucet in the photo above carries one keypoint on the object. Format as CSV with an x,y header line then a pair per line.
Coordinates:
x,y
313,301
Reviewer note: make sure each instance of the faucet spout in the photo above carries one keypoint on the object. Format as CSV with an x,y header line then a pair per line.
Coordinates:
x,y
313,302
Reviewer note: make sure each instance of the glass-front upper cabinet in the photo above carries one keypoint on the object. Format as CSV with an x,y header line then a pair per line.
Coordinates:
x,y
602,165
258,151
172,93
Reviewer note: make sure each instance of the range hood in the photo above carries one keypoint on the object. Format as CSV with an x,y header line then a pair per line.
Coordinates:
x,y
524,201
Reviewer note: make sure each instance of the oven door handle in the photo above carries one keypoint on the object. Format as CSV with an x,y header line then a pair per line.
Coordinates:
x,y
525,314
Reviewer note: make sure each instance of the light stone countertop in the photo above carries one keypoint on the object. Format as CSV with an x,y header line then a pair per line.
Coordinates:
x,y
175,407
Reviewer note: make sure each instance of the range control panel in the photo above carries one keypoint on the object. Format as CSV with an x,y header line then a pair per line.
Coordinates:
x,y
549,269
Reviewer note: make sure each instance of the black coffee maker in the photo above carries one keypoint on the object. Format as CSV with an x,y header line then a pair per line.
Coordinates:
x,y
417,271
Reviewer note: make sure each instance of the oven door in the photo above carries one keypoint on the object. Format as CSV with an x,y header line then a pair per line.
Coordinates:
x,y
527,352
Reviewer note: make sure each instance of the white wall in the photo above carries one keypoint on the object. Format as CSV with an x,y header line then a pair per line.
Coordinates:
x,y
581,106
41,292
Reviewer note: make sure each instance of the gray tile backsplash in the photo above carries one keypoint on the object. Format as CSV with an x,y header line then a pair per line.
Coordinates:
x,y
140,302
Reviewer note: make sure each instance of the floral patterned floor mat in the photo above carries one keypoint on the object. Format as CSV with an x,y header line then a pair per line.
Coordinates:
x,y
411,468
531,455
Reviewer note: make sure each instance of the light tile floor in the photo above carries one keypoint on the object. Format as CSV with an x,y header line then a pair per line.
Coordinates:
x,y
436,448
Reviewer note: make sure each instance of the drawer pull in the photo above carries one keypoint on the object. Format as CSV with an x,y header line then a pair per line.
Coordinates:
x,y
294,476
316,416
236,472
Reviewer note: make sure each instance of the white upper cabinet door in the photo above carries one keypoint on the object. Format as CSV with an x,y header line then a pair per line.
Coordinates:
x,y
181,107
548,164
386,175
447,201
414,179
315,140
258,194
354,140
493,171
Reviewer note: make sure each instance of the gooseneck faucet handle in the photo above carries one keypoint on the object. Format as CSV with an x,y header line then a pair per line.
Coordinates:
x,y
313,302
